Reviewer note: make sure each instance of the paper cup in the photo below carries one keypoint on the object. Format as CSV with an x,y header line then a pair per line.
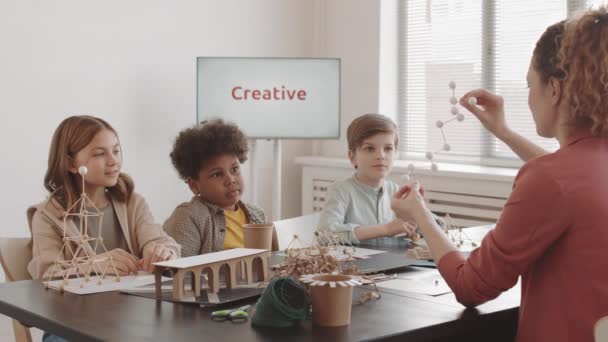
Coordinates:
x,y
331,306
258,236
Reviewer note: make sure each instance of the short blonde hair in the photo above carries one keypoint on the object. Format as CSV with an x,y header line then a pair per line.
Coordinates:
x,y
368,125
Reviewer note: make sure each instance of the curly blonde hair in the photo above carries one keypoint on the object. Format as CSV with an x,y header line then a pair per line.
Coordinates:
x,y
583,58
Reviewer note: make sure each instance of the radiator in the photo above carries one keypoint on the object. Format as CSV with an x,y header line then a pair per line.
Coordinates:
x,y
320,188
465,210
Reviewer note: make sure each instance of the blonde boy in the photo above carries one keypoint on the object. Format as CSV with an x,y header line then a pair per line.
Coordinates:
x,y
359,207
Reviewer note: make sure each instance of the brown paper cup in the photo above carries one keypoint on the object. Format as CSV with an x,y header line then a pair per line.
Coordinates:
x,y
331,305
258,236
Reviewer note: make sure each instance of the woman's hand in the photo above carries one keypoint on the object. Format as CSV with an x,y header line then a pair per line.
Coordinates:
x,y
125,262
490,110
155,252
398,226
408,203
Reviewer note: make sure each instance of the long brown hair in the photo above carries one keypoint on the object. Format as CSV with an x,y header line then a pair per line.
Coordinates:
x,y
72,135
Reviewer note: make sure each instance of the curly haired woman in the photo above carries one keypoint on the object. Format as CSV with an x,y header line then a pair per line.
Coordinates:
x,y
552,231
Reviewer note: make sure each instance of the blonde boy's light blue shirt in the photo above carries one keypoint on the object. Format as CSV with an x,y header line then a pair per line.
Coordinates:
x,y
351,204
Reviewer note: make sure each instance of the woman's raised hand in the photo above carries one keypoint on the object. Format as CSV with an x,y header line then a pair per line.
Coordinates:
x,y
408,202
489,110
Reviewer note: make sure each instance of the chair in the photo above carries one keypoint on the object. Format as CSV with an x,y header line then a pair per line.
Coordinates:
x,y
15,254
601,330
304,226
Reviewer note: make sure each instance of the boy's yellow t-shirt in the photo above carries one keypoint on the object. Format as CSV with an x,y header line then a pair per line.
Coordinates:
x,y
234,228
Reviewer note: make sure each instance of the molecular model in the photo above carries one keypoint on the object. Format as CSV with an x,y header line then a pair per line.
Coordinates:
x,y
455,234
440,124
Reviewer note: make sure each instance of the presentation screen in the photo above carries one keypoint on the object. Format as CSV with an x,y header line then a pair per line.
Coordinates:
x,y
283,98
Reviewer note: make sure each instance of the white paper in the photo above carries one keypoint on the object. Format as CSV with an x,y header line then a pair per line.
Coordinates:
x,y
108,284
151,288
360,253
365,252
424,282
210,258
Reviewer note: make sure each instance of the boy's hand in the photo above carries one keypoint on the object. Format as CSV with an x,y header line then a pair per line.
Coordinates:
x,y
155,253
398,226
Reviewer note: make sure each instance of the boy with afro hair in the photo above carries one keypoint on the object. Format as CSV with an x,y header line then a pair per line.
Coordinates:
x,y
208,158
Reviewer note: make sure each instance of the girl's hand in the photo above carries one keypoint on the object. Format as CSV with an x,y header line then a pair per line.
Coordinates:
x,y
155,252
490,110
398,226
408,202
125,262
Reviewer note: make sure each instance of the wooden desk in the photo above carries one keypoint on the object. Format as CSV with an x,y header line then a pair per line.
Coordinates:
x,y
121,317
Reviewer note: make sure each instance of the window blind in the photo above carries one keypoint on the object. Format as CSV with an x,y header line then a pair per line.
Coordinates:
x,y
440,42
475,43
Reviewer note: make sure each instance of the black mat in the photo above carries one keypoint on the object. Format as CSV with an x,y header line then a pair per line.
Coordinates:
x,y
224,296
376,263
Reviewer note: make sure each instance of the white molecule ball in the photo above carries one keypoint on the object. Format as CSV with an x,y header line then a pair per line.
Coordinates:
x,y
446,147
405,179
434,167
454,110
411,168
472,100
439,124
83,170
452,85
429,155
460,117
453,100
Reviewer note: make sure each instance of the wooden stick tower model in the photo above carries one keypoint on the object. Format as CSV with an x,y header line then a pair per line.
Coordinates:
x,y
456,234
85,264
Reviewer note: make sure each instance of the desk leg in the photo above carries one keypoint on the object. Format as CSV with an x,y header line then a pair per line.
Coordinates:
x,y
249,270
263,273
178,285
158,274
231,276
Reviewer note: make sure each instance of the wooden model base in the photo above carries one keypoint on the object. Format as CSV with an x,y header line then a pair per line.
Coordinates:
x,y
211,264
419,253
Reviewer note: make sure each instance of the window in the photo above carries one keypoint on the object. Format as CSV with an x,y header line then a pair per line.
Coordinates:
x,y
518,25
475,43
596,3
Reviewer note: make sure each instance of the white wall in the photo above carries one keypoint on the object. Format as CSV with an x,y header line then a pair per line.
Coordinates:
x,y
352,32
133,63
